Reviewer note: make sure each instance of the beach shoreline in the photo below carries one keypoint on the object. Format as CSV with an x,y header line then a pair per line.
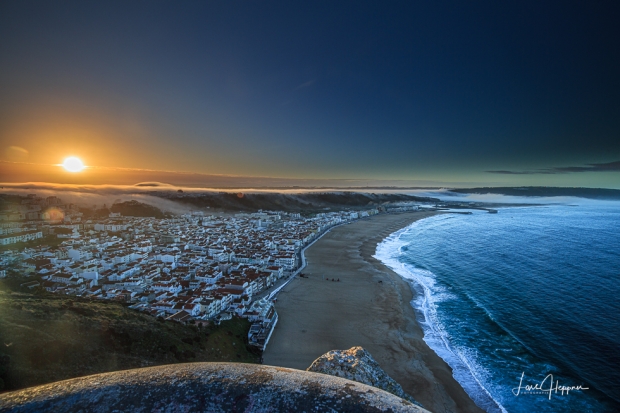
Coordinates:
x,y
370,307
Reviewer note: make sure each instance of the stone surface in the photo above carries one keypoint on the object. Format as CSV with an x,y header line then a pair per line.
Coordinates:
x,y
205,387
358,365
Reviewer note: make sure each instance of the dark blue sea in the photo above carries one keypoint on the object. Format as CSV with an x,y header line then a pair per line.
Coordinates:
x,y
520,298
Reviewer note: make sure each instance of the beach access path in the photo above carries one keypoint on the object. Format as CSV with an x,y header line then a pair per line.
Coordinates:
x,y
317,315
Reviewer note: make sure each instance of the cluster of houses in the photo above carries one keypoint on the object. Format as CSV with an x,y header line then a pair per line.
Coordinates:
x,y
21,235
21,222
190,268
34,208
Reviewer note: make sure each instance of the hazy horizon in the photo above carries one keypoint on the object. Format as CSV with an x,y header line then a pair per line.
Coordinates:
x,y
20,174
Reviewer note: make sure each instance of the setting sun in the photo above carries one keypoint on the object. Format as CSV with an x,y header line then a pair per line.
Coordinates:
x,y
73,164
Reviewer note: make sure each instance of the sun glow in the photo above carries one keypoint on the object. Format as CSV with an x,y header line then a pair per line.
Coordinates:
x,y
73,164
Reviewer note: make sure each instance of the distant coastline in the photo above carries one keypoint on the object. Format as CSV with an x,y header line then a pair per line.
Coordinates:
x,y
545,191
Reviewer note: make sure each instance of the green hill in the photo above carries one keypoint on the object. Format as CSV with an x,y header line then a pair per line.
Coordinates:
x,y
49,338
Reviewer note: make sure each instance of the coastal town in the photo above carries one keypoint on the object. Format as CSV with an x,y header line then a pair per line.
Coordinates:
x,y
192,268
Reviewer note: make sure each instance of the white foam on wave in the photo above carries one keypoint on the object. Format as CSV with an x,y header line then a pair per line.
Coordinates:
x,y
463,361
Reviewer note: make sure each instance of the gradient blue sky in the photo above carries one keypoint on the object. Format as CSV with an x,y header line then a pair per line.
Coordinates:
x,y
418,91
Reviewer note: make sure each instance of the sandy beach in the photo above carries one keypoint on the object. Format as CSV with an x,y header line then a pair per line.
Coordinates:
x,y
316,315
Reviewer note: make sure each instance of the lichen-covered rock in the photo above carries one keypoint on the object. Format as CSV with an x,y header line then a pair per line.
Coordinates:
x,y
358,365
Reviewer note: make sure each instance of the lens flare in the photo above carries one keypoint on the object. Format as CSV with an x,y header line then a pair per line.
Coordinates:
x,y
53,214
73,164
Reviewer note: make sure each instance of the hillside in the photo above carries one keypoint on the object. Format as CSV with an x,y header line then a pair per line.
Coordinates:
x,y
49,338
136,209
299,202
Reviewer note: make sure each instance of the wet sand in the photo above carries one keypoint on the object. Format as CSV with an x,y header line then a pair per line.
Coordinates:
x,y
316,316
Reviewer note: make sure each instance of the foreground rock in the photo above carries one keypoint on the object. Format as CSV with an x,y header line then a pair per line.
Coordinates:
x,y
205,387
358,365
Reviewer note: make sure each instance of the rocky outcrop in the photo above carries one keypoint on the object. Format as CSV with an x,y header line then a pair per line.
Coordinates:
x,y
358,365
205,387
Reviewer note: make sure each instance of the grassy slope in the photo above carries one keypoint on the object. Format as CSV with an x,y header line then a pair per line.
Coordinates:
x,y
45,339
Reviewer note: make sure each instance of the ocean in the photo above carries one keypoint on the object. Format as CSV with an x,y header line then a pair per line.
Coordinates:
x,y
529,296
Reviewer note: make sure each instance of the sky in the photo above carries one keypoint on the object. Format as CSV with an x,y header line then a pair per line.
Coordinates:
x,y
412,93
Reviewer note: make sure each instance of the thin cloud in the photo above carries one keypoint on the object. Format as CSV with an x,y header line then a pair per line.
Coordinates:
x,y
16,154
305,85
510,172
591,167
